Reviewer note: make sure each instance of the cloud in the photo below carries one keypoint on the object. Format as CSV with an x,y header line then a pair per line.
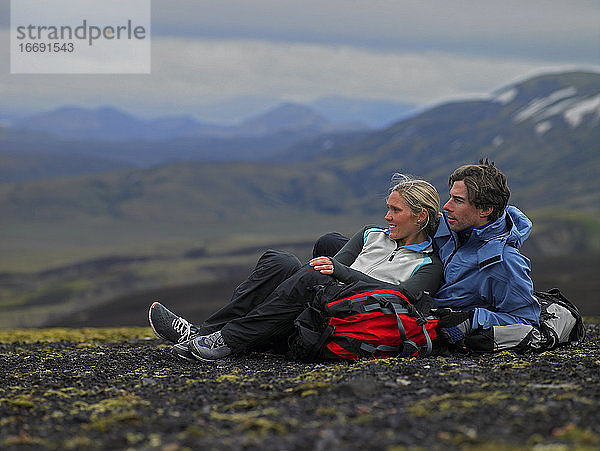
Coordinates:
x,y
205,52
187,73
549,29
227,68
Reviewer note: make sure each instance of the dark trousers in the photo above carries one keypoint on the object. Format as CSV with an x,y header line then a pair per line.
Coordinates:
x,y
263,308
329,244
272,268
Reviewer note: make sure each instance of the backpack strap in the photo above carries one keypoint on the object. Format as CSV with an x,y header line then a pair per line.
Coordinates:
x,y
398,310
321,342
428,340
386,348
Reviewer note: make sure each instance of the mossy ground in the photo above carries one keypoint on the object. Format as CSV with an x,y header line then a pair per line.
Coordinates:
x,y
123,389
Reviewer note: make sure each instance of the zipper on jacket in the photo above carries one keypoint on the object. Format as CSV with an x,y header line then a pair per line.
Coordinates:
x,y
453,252
458,246
394,252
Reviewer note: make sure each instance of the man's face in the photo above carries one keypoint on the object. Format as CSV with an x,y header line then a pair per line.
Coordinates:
x,y
462,214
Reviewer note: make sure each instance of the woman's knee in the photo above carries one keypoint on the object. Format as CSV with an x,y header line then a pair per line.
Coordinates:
x,y
276,262
329,244
283,259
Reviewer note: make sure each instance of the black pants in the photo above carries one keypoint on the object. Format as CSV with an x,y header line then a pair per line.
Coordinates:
x,y
329,244
263,308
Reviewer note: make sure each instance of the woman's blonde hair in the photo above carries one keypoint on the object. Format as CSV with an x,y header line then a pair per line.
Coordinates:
x,y
419,195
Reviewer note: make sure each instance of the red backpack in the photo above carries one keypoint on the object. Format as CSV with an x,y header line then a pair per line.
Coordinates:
x,y
364,320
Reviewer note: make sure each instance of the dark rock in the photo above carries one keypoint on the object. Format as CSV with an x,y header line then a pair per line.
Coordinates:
x,y
135,394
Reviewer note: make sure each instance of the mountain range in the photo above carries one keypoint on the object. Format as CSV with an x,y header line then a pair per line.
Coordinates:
x,y
112,124
543,132
74,140
92,223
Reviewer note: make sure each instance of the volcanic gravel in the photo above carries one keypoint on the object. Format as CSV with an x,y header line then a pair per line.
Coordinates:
x,y
135,394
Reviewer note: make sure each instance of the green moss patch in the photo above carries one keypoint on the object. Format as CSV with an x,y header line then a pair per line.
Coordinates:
x,y
118,389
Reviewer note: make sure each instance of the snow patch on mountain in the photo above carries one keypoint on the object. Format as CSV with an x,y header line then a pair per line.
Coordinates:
x,y
539,105
505,97
557,109
497,141
563,102
543,127
574,115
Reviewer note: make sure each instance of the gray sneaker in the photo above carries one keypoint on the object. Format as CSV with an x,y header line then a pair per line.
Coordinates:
x,y
209,347
182,350
168,326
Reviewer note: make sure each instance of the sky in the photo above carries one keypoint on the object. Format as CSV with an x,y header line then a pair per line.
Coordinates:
x,y
206,54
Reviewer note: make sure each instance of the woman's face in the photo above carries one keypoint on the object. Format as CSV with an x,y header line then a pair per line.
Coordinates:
x,y
403,223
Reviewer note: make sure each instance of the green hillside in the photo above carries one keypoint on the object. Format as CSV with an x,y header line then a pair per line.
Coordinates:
x,y
185,191
543,138
187,222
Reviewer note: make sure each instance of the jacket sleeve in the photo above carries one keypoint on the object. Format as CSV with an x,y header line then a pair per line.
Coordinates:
x,y
510,292
427,278
347,254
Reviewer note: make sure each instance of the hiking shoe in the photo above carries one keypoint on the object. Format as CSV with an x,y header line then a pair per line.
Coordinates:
x,y
182,350
209,347
168,326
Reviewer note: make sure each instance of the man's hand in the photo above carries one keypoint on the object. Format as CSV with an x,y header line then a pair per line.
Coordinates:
x,y
454,326
322,264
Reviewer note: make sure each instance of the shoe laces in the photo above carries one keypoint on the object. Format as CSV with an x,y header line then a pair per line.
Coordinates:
x,y
183,328
214,340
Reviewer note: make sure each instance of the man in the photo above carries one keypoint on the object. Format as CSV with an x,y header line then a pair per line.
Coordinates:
x,y
486,300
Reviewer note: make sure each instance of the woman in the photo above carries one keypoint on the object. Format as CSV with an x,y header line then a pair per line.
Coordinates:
x,y
263,308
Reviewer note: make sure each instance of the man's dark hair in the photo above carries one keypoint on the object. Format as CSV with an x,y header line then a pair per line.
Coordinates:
x,y
486,186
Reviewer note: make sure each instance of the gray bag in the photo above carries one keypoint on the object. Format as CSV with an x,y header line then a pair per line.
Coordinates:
x,y
560,323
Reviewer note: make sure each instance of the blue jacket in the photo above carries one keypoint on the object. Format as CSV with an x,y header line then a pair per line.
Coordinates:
x,y
487,273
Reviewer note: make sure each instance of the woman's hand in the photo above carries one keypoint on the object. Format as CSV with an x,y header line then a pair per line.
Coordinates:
x,y
322,264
